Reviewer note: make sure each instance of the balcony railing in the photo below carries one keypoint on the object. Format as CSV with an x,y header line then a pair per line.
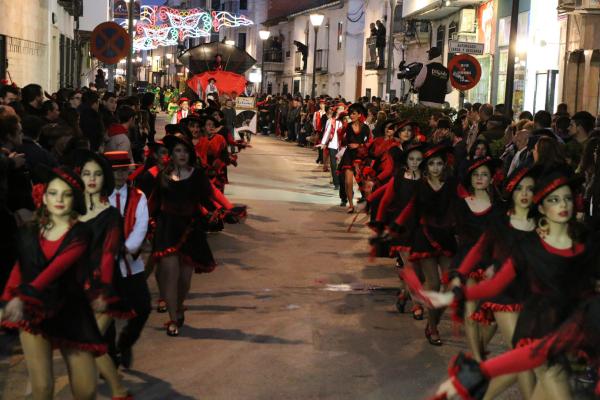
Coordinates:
x,y
273,60
322,61
372,59
274,55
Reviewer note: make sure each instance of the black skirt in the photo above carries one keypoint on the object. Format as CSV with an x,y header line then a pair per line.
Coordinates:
x,y
183,236
430,242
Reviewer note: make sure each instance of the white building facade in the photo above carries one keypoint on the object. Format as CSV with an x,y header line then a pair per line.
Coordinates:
x,y
339,55
37,43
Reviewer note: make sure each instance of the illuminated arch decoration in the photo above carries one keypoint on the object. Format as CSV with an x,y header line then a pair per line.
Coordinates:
x,y
164,26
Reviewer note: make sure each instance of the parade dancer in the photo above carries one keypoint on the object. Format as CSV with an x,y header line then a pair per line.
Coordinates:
x,y
104,221
331,143
498,241
131,279
212,151
433,244
555,263
145,178
180,245
354,141
397,193
183,112
318,119
43,298
475,211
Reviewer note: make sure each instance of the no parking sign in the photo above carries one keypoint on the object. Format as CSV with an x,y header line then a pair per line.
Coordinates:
x,y
465,72
110,42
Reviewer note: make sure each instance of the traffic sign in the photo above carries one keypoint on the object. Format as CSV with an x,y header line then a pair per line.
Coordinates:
x,y
465,71
110,42
455,46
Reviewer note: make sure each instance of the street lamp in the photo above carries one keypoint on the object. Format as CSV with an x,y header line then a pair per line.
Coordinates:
x,y
264,36
316,20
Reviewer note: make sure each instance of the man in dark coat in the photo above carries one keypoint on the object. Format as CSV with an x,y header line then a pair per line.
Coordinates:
x,y
380,43
34,153
90,120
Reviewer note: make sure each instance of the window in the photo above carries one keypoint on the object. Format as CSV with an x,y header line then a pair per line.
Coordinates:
x,y
452,35
243,4
440,38
452,30
241,40
340,35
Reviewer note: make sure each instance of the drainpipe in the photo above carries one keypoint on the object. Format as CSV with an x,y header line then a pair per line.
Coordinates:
x,y
388,80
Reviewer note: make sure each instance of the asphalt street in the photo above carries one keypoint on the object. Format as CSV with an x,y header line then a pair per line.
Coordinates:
x,y
295,309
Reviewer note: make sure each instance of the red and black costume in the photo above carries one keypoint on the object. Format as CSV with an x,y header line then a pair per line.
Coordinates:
x,y
352,156
214,156
471,225
45,279
105,244
182,208
433,210
394,197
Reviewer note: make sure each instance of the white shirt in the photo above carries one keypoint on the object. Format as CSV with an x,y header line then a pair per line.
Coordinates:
x,y
333,143
134,241
514,164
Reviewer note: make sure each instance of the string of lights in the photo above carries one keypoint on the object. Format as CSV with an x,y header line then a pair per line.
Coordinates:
x,y
164,26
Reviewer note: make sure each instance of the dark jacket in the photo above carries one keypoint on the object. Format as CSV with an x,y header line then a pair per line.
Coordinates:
x,y
92,126
381,40
35,155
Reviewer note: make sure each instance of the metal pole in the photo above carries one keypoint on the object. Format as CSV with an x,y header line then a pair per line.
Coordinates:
x,y
77,46
262,70
314,71
130,55
512,49
388,80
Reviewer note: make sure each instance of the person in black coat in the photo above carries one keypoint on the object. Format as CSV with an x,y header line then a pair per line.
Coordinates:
x,y
34,153
90,121
380,43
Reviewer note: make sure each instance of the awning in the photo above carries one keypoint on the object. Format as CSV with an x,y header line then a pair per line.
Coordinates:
x,y
435,9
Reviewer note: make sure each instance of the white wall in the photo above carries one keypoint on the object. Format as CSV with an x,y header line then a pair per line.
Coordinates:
x,y
340,78
542,45
94,12
33,40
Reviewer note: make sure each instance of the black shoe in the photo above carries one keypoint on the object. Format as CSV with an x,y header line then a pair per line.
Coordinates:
x,y
126,357
343,203
361,200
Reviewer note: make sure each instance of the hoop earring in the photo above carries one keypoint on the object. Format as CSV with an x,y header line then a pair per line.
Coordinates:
x,y
542,227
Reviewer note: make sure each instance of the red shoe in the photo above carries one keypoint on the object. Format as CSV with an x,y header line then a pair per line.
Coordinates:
x,y
161,307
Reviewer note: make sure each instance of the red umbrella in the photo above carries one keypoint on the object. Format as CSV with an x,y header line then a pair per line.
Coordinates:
x,y
226,82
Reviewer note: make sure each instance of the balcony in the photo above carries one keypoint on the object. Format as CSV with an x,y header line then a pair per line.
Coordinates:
x,y
322,61
73,7
273,60
571,5
372,61
299,63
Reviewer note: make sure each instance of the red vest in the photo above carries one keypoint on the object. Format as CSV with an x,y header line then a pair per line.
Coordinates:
x,y
133,199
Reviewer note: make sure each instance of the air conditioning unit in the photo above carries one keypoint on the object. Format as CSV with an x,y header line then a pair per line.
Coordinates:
x,y
467,22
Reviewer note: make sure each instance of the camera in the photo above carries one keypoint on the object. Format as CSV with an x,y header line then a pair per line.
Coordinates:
x,y
409,71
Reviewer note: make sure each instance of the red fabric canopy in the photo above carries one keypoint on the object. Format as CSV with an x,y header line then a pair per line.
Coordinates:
x,y
227,82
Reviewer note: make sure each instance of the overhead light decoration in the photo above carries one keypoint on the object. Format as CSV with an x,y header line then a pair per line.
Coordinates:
x,y
164,26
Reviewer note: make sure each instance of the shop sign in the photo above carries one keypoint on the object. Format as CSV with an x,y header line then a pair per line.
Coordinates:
x,y
465,72
466,47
